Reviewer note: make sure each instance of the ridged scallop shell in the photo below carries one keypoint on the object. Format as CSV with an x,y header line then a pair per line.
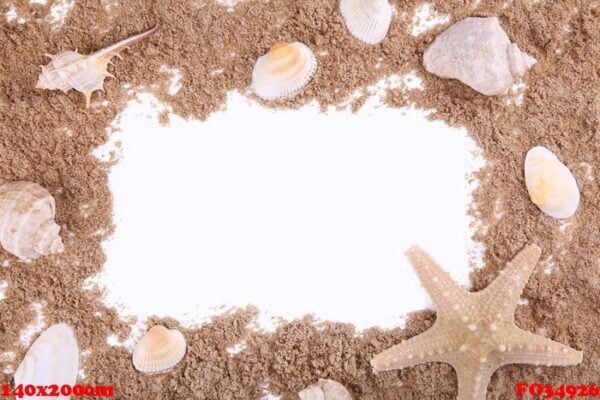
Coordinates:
x,y
325,389
551,185
284,71
70,70
367,20
159,350
53,359
27,227
479,53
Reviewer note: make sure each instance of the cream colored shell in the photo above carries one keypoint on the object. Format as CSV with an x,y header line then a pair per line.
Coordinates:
x,y
27,227
70,70
325,389
479,53
367,20
159,350
284,71
53,359
551,185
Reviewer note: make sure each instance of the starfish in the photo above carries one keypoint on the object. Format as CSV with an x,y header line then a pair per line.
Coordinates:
x,y
475,332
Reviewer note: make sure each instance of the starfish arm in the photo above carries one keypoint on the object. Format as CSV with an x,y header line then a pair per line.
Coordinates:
x,y
430,346
444,291
527,348
473,382
510,283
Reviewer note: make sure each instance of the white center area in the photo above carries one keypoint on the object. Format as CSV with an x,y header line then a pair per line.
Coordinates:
x,y
295,212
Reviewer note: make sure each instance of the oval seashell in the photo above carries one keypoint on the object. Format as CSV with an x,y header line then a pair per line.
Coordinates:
x,y
479,53
284,71
551,185
53,359
159,350
367,20
70,70
27,227
325,389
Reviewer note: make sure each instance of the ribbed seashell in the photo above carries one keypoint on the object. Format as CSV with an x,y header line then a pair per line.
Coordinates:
x,y
159,350
325,389
70,70
551,185
479,53
367,20
53,359
284,71
27,227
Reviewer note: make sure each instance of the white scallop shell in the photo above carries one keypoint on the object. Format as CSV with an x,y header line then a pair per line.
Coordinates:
x,y
479,53
367,20
325,389
27,227
551,185
159,350
53,359
284,71
70,70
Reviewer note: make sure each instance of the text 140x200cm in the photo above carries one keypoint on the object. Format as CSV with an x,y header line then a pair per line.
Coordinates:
x,y
56,390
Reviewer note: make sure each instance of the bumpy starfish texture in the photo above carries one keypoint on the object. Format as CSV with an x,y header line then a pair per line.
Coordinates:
x,y
475,332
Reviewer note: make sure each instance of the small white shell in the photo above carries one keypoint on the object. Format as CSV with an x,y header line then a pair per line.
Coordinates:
x,y
325,389
27,227
479,53
367,20
70,70
159,350
284,71
551,185
53,359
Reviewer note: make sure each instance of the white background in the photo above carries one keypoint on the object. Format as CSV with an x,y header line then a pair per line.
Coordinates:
x,y
293,211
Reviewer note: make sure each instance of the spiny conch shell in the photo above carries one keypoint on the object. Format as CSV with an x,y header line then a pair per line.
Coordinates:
x,y
159,350
71,70
367,20
325,389
478,52
53,359
284,71
551,185
27,227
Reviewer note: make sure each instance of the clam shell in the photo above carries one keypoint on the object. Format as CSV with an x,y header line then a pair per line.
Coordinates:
x,y
551,185
27,227
367,20
284,71
159,350
479,53
325,389
53,359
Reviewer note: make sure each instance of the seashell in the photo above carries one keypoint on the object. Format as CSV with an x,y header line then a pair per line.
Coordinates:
x,y
479,53
551,185
159,350
325,389
53,359
27,227
367,20
284,71
71,70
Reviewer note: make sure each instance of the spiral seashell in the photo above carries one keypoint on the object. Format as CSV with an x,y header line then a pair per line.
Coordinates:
x,y
53,359
70,70
551,185
325,389
27,227
367,20
284,71
478,52
159,350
